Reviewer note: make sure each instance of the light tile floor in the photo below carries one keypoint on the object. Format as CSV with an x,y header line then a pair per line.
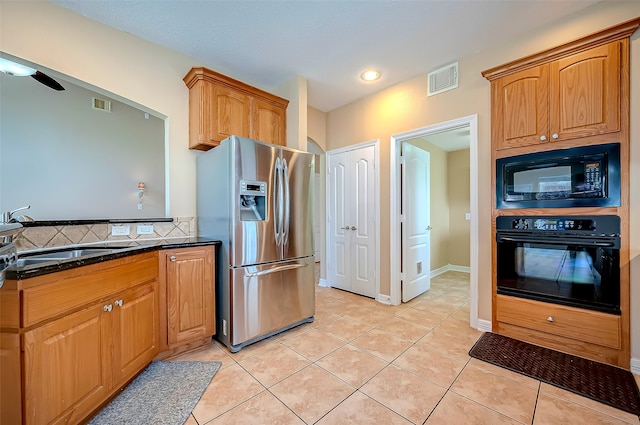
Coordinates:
x,y
362,362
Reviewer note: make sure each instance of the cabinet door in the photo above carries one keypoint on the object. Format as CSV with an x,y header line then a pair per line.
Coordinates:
x,y
135,325
190,294
268,123
585,93
230,113
66,367
520,112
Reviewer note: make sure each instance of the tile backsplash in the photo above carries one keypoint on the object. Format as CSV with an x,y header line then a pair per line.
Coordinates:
x,y
52,236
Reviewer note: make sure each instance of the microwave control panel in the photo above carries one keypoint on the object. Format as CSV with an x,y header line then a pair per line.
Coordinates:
x,y
592,175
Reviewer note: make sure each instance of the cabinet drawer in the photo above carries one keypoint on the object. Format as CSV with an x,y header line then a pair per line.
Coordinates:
x,y
584,325
80,286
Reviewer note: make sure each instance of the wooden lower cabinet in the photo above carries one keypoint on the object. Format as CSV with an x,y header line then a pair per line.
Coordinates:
x,y
81,346
135,327
74,363
187,281
577,331
66,367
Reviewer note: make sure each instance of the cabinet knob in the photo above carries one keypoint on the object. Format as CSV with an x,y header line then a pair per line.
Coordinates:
x,y
550,319
543,137
173,258
119,303
108,307
555,135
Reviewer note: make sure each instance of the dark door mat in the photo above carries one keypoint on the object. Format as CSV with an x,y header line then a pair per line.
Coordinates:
x,y
598,381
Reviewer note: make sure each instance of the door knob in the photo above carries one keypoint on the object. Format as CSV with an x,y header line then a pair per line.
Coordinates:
x,y
353,228
429,227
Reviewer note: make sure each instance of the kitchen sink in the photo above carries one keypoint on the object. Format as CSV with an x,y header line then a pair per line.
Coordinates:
x,y
52,256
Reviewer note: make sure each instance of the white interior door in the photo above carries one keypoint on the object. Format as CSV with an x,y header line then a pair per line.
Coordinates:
x,y
416,256
352,221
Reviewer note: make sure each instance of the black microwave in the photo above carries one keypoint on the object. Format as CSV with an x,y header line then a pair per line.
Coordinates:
x,y
586,176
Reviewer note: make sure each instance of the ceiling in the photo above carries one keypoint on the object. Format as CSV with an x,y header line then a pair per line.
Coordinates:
x,y
330,43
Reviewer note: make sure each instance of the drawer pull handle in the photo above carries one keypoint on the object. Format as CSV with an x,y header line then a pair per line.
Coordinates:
x,y
108,307
550,319
119,303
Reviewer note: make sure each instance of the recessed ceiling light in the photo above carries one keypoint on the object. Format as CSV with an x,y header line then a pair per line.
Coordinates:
x,y
370,75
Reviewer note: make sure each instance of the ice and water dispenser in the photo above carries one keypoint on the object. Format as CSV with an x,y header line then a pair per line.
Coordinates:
x,y
253,200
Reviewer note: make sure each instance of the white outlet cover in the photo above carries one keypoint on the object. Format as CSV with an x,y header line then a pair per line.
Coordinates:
x,y
120,231
145,229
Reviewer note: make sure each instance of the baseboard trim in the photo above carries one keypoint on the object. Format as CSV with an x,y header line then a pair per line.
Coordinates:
x,y
449,268
484,325
324,283
635,366
384,299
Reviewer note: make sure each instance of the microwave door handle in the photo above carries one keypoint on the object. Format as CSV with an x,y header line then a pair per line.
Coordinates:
x,y
555,242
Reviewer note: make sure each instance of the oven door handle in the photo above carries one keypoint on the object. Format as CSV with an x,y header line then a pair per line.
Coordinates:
x,y
557,242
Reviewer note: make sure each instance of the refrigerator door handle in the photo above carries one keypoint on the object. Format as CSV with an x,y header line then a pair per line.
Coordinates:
x,y
276,202
287,203
276,270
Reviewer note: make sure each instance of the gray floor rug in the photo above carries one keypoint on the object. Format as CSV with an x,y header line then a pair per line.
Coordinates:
x,y
165,393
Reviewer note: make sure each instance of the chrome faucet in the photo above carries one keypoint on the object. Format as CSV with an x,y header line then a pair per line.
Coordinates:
x,y
8,216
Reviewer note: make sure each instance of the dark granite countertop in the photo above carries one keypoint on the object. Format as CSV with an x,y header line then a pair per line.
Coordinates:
x,y
116,249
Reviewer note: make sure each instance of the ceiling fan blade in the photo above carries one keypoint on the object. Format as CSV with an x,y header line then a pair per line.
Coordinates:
x,y
47,81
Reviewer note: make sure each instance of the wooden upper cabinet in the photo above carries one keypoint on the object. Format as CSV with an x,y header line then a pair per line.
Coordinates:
x,y
520,113
572,93
220,106
230,114
573,97
269,123
585,93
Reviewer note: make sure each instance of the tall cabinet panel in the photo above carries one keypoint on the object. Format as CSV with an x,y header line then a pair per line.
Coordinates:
x,y
576,94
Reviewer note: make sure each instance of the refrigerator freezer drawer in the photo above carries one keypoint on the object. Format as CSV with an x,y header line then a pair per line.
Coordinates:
x,y
267,298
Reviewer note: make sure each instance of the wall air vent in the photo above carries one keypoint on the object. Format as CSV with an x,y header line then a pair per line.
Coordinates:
x,y
443,79
101,104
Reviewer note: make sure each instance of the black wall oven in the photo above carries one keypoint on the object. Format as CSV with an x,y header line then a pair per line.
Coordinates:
x,y
567,260
587,176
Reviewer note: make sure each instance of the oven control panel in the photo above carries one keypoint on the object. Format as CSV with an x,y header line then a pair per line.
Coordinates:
x,y
600,224
552,224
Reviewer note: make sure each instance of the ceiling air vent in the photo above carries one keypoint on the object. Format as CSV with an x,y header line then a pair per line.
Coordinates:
x,y
101,104
443,79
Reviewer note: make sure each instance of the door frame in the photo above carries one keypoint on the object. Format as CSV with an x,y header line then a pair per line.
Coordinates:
x,y
394,186
376,164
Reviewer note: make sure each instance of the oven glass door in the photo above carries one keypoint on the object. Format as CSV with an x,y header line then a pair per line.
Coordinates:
x,y
584,276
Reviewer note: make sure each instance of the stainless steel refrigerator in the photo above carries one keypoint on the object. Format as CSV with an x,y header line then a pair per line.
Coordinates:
x,y
257,199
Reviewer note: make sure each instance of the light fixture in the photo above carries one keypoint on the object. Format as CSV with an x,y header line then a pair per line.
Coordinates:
x,y
16,69
370,75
